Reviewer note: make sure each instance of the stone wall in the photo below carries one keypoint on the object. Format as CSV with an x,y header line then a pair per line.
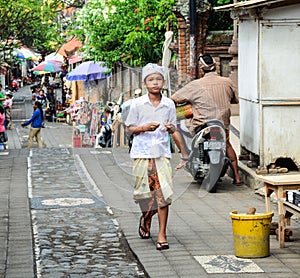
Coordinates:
x,y
215,43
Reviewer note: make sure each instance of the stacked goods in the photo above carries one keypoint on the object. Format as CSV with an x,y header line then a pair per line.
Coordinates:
x,y
293,196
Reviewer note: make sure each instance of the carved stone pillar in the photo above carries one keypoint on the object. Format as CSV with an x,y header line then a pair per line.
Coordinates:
x,y
233,49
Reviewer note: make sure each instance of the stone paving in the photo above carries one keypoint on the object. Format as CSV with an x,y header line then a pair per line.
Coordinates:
x,y
56,210
75,233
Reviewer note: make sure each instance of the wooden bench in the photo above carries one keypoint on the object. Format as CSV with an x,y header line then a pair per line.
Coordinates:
x,y
284,219
279,183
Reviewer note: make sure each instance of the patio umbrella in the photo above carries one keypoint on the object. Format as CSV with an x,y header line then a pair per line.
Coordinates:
x,y
47,66
26,54
40,72
89,71
55,57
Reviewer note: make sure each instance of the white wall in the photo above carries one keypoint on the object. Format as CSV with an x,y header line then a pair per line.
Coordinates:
x,y
281,128
248,85
248,59
288,12
279,59
269,83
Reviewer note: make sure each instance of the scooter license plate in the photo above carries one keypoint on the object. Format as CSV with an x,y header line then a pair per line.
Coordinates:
x,y
214,145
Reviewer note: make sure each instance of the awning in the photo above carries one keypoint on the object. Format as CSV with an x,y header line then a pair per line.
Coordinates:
x,y
74,59
250,4
54,57
70,47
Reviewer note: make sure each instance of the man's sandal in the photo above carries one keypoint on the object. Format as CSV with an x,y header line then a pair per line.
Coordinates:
x,y
142,231
182,163
237,183
162,245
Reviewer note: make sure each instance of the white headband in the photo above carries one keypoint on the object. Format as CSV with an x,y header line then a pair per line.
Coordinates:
x,y
150,69
205,66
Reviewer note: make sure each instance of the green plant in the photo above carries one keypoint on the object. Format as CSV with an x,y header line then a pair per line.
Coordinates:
x,y
131,31
219,20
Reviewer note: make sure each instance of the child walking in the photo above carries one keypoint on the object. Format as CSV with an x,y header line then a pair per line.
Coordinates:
x,y
152,117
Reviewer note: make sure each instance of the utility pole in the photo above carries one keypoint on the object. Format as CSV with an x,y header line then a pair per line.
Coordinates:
x,y
193,48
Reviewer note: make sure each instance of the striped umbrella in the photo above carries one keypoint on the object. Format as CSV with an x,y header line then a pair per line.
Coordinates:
x,y
55,57
26,54
47,67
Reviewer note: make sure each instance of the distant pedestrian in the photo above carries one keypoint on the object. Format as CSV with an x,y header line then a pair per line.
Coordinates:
x,y
36,122
3,136
14,85
42,98
152,117
7,104
2,95
34,94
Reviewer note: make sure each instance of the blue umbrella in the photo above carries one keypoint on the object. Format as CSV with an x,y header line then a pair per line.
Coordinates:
x,y
88,71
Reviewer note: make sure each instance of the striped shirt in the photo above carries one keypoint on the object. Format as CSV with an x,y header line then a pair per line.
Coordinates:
x,y
210,97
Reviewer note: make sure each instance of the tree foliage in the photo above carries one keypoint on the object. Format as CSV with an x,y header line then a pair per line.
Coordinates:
x,y
33,23
219,20
131,31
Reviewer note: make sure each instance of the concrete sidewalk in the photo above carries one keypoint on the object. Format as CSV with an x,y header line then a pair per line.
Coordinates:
x,y
16,246
199,227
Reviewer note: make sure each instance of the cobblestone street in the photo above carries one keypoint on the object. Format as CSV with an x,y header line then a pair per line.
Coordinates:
x,y
68,212
75,232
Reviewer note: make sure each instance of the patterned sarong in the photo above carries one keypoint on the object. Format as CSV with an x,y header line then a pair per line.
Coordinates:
x,y
149,205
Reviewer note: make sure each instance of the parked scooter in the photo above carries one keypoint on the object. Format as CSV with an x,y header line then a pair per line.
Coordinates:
x,y
207,161
105,136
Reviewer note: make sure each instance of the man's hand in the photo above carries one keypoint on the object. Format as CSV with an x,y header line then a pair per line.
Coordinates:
x,y
139,129
170,128
151,126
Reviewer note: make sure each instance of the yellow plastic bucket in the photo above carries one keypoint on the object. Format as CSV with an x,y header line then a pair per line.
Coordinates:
x,y
251,234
